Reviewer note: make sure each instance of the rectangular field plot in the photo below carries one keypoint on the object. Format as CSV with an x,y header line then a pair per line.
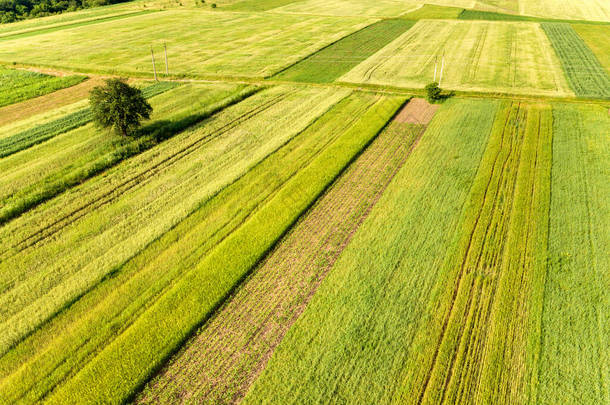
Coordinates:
x,y
586,75
333,61
592,10
479,56
596,38
381,8
199,43
18,85
575,317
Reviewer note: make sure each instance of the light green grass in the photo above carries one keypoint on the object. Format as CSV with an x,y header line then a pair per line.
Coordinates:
x,y
109,219
596,38
380,8
337,59
575,344
586,75
430,11
592,10
46,358
20,85
479,56
351,342
199,43
125,364
257,5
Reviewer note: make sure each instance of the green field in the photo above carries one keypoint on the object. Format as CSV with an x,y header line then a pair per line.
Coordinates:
x,y
586,75
19,85
479,56
236,44
339,58
301,221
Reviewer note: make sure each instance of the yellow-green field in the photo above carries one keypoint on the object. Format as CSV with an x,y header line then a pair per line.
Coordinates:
x,y
199,43
480,56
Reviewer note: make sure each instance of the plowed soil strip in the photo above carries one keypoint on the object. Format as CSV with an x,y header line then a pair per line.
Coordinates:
x,y
220,363
418,111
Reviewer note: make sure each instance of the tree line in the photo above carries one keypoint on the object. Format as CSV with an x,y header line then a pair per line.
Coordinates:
x,y
15,10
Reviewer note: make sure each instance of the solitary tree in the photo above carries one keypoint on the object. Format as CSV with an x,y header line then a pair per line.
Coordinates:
x,y
119,105
433,92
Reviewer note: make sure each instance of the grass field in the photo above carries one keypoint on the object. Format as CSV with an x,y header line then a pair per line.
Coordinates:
x,y
595,39
356,328
19,85
296,223
575,324
479,56
339,58
250,45
586,75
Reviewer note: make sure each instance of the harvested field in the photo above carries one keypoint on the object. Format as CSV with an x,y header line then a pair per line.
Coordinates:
x,y
508,57
418,111
221,362
586,75
379,8
38,105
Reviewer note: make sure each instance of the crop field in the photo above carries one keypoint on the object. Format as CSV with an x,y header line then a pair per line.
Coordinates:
x,y
586,75
305,218
595,38
339,58
250,45
19,85
479,56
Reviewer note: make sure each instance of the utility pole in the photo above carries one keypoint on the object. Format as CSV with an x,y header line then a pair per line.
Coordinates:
x,y
166,65
442,67
153,61
435,66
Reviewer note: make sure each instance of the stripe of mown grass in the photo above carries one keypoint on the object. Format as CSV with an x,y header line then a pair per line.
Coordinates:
x,y
574,364
351,343
340,57
117,372
48,357
41,133
586,75
58,182
40,31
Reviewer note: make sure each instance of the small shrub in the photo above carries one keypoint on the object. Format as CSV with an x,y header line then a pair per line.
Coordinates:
x,y
433,92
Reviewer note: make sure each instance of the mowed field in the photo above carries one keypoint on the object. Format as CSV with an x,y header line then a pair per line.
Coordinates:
x,y
296,223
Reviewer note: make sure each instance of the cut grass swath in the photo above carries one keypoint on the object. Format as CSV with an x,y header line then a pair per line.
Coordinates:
x,y
115,374
339,58
33,136
586,75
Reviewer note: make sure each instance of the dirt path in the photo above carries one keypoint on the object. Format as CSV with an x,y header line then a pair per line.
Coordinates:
x,y
220,363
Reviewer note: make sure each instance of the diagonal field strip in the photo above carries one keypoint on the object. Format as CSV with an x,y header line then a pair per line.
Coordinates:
x,y
479,348
584,72
340,57
223,360
39,31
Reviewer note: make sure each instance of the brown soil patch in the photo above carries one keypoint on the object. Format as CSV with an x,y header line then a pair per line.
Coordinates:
x,y
417,111
59,98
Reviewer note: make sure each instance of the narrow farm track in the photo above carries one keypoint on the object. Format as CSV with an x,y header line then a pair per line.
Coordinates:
x,y
480,351
223,360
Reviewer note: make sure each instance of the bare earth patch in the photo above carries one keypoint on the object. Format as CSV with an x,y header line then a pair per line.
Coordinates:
x,y
219,364
417,111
